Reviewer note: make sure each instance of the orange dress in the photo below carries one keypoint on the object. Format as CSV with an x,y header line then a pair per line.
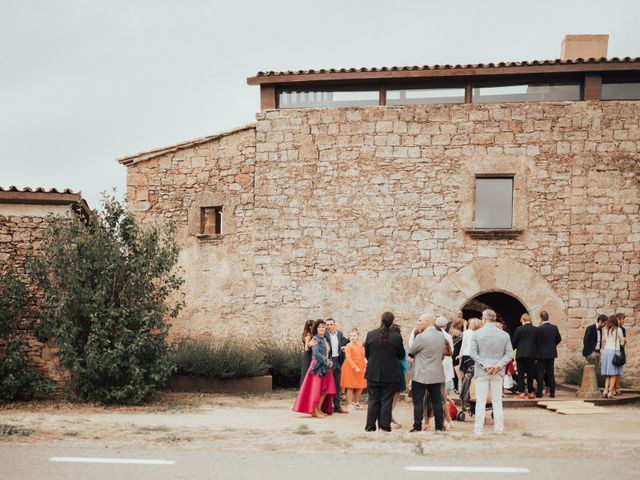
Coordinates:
x,y
349,378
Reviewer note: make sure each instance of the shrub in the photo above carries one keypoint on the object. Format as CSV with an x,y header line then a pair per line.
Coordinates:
x,y
18,379
572,368
227,357
106,286
283,358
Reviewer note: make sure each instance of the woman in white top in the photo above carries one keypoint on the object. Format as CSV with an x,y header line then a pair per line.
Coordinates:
x,y
612,339
465,349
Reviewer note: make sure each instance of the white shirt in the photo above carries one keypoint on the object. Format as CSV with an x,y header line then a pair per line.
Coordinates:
x,y
609,339
335,350
465,349
447,361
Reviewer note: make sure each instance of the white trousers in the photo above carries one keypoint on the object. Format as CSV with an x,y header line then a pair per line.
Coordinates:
x,y
483,384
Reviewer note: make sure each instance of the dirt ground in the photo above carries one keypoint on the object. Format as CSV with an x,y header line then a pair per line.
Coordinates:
x,y
266,422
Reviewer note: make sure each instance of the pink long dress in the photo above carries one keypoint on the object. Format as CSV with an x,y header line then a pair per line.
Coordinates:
x,y
313,386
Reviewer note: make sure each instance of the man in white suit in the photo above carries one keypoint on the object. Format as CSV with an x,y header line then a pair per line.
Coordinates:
x,y
491,351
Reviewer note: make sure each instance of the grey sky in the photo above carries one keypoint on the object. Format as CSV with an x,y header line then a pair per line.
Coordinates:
x,y
83,82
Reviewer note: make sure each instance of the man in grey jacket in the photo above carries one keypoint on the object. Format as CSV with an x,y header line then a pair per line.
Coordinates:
x,y
491,351
427,373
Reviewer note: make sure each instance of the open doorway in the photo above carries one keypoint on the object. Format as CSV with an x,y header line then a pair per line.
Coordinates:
x,y
508,309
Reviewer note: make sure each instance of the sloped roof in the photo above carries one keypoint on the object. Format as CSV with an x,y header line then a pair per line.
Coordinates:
x,y
42,196
556,65
149,154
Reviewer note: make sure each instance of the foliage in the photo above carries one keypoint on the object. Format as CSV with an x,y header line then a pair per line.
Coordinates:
x,y
572,368
107,285
283,358
18,379
229,357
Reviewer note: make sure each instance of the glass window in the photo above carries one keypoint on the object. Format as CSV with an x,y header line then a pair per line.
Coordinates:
x,y
526,93
316,99
494,202
621,91
428,95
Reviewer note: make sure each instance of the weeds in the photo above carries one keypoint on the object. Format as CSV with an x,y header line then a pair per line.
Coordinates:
x,y
419,448
7,430
303,430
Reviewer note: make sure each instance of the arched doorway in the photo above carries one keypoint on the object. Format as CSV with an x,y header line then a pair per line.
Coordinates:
x,y
508,308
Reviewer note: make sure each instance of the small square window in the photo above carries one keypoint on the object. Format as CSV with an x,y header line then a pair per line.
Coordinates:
x,y
494,202
211,220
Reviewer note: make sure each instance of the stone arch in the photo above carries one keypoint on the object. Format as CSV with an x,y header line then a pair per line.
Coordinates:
x,y
499,275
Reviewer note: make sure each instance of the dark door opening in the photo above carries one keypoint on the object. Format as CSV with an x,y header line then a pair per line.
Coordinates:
x,y
508,309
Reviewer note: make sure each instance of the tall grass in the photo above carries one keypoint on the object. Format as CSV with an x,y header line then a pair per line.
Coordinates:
x,y
226,357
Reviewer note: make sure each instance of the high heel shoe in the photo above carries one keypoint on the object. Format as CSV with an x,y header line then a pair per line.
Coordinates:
x,y
605,393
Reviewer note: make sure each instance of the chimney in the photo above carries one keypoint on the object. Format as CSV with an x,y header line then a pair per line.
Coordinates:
x,y
584,46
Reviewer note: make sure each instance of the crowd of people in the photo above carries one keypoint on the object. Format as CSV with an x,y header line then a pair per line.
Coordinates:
x,y
476,358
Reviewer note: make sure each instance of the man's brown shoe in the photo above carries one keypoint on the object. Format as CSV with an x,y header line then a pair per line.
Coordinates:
x,y
341,410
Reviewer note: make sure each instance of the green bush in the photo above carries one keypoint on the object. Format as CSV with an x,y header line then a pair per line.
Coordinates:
x,y
207,357
106,287
18,379
283,358
572,368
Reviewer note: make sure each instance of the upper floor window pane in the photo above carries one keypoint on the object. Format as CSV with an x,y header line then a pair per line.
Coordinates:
x,y
494,202
425,95
621,91
526,93
316,99
211,220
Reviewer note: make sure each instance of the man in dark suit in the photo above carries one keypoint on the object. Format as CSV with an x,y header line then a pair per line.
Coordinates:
x,y
525,340
548,340
383,348
336,341
592,341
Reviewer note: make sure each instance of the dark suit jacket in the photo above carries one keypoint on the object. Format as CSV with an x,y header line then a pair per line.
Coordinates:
x,y
548,339
341,343
526,341
383,365
590,340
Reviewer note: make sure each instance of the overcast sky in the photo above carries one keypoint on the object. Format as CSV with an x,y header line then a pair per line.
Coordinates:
x,y
83,82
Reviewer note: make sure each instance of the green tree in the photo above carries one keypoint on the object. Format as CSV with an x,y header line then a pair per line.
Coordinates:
x,y
18,379
107,286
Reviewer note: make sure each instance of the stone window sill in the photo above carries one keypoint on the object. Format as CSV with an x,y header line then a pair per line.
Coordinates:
x,y
209,238
493,233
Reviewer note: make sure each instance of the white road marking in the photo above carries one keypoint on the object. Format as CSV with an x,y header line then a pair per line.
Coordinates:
x,y
467,469
130,461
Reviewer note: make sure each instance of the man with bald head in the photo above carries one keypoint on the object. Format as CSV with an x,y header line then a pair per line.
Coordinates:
x,y
427,373
491,350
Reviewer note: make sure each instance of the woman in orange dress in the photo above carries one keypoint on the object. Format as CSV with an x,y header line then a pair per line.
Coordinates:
x,y
352,378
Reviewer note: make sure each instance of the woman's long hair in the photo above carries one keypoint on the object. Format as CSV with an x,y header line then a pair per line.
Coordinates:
x,y
385,324
612,323
308,327
316,324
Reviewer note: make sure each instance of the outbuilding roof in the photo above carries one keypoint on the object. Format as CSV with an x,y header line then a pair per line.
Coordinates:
x,y
42,196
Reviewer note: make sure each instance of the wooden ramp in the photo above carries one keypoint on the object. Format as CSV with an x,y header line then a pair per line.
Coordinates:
x,y
572,407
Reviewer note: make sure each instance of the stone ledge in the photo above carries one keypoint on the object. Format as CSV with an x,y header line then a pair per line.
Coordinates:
x,y
209,238
493,233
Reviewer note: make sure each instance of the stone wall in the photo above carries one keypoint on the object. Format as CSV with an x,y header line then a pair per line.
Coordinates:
x,y
349,212
22,234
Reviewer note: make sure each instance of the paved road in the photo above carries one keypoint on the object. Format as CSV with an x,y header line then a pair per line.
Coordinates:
x,y
29,461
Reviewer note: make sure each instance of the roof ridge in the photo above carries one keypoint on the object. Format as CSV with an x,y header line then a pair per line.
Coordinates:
x,y
13,188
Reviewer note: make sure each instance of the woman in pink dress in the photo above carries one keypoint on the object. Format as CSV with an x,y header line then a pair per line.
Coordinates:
x,y
318,387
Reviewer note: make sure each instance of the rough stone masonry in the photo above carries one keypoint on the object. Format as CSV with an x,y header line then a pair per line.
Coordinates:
x,y
348,212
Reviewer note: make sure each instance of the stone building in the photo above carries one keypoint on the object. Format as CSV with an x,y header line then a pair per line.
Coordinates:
x,y
512,185
24,215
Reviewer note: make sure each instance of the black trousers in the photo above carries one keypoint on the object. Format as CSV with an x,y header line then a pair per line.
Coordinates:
x,y
526,368
337,370
546,375
435,397
379,405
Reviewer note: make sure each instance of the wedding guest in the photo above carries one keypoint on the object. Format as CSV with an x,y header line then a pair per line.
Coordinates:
x,y
352,378
402,386
427,372
318,387
465,350
447,361
621,318
307,343
383,347
456,331
613,343
592,341
548,340
491,351
525,341
336,352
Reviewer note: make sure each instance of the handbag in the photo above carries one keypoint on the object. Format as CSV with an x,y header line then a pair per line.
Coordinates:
x,y
619,359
